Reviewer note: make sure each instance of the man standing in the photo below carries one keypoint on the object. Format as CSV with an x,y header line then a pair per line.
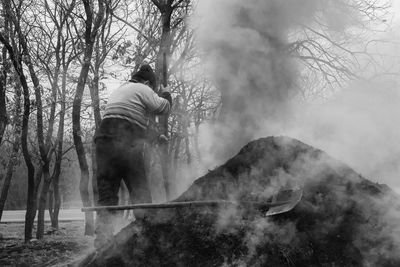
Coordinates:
x,y
120,145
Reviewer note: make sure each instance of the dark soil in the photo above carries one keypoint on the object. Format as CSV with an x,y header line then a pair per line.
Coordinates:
x,y
343,219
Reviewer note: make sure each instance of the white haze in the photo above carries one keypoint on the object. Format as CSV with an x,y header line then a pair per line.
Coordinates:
x,y
358,124
358,127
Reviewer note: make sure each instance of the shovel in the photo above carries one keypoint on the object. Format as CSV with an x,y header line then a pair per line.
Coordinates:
x,y
283,201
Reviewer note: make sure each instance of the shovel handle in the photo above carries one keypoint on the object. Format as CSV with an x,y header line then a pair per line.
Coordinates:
x,y
200,203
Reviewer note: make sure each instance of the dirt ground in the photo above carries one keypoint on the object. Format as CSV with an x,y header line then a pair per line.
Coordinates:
x,y
57,248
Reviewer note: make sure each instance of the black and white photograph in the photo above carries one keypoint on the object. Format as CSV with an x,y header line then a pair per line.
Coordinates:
x,y
200,133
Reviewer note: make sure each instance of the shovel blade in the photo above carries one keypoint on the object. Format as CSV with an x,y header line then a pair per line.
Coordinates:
x,y
291,196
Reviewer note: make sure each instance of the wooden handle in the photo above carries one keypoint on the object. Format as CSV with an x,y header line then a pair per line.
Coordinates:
x,y
201,203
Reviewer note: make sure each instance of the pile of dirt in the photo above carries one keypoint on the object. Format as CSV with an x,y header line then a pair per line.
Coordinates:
x,y
343,219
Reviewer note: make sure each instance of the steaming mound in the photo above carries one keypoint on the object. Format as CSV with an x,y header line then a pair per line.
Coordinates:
x,y
342,220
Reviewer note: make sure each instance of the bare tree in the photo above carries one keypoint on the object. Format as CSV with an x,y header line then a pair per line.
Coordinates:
x,y
143,18
43,142
67,53
45,56
92,26
16,58
332,57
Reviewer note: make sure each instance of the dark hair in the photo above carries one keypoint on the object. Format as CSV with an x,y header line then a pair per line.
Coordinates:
x,y
145,73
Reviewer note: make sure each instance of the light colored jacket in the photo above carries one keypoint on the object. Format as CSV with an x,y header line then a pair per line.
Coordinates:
x,y
135,102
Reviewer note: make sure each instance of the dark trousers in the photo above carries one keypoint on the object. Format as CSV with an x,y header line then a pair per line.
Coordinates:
x,y
120,155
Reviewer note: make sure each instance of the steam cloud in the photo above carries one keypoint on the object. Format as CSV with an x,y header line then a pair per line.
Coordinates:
x,y
357,128
245,44
246,48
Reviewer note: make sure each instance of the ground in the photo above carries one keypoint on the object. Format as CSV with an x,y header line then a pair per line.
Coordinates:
x,y
57,248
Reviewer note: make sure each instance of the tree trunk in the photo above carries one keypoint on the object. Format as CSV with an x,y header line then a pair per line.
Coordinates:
x,y
51,203
42,202
90,35
94,93
14,153
42,146
94,173
80,150
31,207
177,150
55,207
165,8
163,55
187,149
196,142
175,147
3,82
47,149
186,125
56,202
31,198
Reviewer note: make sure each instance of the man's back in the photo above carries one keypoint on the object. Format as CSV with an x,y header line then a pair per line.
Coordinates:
x,y
134,102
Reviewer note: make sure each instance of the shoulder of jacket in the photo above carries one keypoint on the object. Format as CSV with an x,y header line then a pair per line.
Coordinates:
x,y
137,86
144,89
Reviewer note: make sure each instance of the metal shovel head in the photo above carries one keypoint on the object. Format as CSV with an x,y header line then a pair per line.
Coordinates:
x,y
290,197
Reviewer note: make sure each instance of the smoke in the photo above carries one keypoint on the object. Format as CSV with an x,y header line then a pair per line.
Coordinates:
x,y
245,46
382,231
357,127
246,50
